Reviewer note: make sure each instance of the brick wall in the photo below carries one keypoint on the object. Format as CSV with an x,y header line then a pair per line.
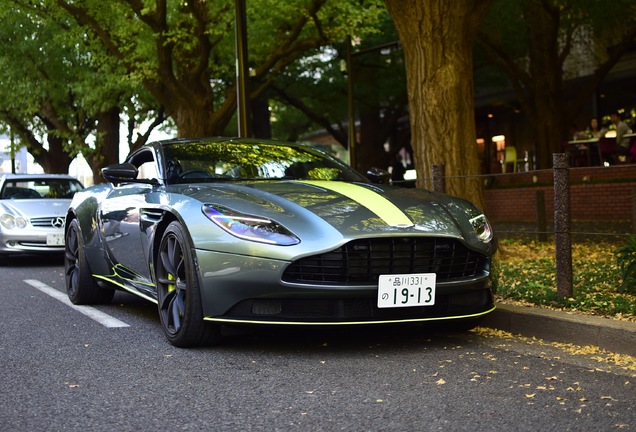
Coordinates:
x,y
596,194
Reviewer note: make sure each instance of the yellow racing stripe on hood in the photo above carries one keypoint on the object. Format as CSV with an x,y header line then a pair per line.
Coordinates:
x,y
373,201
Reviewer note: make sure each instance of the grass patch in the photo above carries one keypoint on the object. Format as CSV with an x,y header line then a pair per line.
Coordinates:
x,y
527,275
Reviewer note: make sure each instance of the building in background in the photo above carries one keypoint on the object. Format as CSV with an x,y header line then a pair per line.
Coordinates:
x,y
18,162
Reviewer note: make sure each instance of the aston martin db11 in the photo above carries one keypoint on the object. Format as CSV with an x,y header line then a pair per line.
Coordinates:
x,y
220,232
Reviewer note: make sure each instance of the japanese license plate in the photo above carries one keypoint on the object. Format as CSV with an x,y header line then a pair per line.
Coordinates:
x,y
55,239
405,290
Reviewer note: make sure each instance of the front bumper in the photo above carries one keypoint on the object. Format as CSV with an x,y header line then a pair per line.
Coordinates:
x,y
243,289
17,241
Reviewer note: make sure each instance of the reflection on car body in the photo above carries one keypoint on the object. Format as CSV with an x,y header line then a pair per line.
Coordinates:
x,y
221,232
33,212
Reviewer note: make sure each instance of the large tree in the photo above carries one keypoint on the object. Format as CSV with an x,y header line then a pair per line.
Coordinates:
x,y
183,52
437,37
57,96
540,44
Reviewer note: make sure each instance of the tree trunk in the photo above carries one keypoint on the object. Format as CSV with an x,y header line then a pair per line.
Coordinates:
x,y
261,121
106,151
196,120
437,38
55,160
546,113
107,144
370,152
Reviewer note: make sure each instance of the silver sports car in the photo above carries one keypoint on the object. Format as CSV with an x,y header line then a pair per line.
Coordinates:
x,y
219,232
33,211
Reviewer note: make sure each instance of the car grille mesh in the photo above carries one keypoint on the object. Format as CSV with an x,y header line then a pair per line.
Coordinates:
x,y
363,261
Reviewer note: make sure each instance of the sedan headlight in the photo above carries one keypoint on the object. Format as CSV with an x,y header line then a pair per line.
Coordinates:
x,y
9,221
250,227
482,228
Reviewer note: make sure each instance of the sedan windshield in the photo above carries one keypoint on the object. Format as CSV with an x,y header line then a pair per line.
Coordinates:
x,y
218,161
36,188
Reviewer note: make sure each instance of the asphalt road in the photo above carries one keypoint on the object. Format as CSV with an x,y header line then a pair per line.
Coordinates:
x,y
67,369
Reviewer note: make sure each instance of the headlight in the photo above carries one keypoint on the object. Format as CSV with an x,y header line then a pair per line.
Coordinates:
x,y
482,228
250,227
9,222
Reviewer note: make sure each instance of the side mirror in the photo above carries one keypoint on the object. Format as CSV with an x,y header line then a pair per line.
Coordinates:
x,y
378,176
120,173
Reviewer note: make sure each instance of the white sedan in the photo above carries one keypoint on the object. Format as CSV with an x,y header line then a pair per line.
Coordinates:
x,y
33,212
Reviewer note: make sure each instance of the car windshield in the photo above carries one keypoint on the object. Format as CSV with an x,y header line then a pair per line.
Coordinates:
x,y
37,188
219,161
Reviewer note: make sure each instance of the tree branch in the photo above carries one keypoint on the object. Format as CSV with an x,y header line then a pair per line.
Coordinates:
x,y
337,133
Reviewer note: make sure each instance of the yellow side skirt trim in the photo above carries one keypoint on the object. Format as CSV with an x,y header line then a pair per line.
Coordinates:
x,y
124,287
344,323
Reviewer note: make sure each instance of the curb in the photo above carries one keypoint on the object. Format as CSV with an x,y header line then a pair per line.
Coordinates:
x,y
557,326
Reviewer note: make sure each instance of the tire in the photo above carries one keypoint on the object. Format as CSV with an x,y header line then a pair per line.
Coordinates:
x,y
178,293
81,287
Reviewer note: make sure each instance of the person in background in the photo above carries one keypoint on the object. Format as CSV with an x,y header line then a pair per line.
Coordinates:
x,y
622,142
594,130
397,169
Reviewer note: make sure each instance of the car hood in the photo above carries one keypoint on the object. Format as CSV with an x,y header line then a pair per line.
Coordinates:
x,y
317,208
32,208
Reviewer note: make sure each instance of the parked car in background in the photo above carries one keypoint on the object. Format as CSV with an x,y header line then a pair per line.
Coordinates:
x,y
223,231
33,210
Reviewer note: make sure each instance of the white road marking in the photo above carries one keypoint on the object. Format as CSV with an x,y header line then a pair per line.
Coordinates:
x,y
99,316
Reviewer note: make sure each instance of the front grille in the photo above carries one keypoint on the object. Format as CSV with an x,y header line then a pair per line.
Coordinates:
x,y
47,222
363,261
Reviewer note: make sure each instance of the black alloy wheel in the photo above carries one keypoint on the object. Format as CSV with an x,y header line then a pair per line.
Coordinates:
x,y
81,287
178,294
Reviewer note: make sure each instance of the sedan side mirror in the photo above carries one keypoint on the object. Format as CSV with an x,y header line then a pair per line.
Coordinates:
x,y
378,176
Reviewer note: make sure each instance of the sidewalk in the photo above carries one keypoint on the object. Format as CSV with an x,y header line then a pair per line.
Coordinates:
x,y
556,326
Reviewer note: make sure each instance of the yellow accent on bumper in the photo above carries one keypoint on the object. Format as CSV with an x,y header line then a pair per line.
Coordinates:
x,y
347,323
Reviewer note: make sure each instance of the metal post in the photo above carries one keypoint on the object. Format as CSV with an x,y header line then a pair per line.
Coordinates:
x,y
352,117
439,178
242,71
562,225
12,152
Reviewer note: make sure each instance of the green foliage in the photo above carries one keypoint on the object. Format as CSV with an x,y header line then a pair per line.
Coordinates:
x,y
626,259
528,276
67,62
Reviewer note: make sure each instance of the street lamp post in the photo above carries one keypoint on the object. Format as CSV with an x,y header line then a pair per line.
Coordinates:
x,y
350,108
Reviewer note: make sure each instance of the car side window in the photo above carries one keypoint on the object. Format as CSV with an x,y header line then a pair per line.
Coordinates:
x,y
148,170
146,165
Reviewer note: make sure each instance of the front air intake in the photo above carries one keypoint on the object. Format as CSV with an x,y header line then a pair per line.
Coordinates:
x,y
363,261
